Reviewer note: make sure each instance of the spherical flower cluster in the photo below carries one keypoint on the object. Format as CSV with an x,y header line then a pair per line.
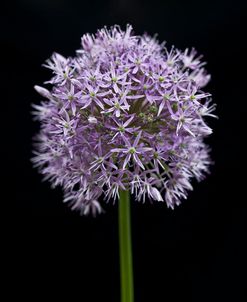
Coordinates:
x,y
124,114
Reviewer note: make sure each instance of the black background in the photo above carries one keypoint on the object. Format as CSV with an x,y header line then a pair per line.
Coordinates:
x,y
195,253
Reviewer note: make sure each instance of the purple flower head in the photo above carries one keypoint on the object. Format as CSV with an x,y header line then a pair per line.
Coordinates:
x,y
124,114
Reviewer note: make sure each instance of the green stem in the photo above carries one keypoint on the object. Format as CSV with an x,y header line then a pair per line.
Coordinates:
x,y
125,250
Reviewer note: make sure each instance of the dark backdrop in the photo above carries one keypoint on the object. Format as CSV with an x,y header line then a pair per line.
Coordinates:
x,y
195,253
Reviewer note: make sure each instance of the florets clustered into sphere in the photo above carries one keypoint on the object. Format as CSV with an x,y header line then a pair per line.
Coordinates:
x,y
124,114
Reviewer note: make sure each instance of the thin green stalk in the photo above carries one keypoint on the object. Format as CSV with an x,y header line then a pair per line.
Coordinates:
x,y
125,249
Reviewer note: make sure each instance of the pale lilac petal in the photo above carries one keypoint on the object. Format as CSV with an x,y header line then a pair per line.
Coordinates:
x,y
126,161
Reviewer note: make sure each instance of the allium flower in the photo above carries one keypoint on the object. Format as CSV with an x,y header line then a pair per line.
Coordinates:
x,y
127,114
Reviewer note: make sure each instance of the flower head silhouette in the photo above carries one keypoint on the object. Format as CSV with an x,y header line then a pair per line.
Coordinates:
x,y
124,114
